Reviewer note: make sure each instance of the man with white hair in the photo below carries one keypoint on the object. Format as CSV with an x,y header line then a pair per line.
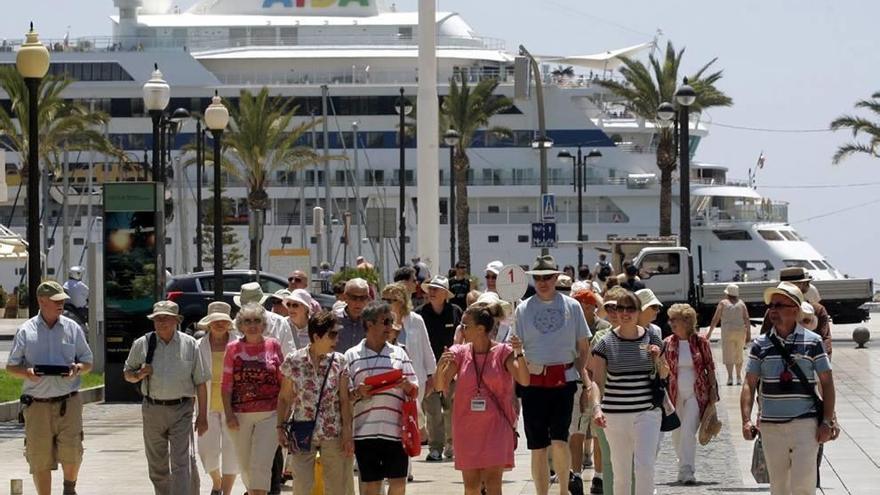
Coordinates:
x,y
356,297
277,326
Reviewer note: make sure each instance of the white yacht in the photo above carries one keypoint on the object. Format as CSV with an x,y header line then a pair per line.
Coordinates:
x,y
364,51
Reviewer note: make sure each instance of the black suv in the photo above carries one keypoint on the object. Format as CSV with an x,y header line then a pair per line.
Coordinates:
x,y
194,291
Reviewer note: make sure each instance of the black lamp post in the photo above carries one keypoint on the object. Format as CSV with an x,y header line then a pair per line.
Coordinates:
x,y
32,63
403,108
216,119
157,94
451,138
200,164
579,163
685,97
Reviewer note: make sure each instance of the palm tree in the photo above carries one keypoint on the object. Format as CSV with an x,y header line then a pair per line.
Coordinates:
x,y
644,89
261,140
468,109
859,125
64,124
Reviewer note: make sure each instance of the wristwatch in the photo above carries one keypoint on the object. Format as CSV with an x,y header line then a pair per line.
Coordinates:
x,y
828,423
517,355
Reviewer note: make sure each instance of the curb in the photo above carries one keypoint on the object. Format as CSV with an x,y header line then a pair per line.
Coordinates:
x,y
9,410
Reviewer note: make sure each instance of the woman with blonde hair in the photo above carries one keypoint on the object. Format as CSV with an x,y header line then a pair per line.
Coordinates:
x,y
733,315
692,385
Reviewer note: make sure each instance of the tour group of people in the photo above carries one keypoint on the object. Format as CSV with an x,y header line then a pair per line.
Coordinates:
x,y
282,384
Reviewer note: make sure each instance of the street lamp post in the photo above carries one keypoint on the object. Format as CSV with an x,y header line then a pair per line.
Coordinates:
x,y
451,138
579,163
200,164
32,63
216,119
157,94
403,109
685,97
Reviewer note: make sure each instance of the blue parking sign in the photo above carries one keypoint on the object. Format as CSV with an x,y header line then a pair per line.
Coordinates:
x,y
544,235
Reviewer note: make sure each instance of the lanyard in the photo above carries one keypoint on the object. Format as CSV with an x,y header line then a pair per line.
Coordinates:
x,y
479,370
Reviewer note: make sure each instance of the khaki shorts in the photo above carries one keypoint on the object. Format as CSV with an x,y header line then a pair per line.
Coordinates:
x,y
51,438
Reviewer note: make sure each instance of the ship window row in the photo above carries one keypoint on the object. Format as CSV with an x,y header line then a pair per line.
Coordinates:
x,y
780,235
301,106
86,71
808,264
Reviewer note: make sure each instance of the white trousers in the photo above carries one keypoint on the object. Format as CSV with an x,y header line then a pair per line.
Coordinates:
x,y
791,449
255,443
216,444
685,437
632,438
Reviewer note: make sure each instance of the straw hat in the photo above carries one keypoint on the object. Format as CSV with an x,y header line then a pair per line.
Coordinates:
x,y
167,308
794,274
217,311
438,282
280,295
732,290
492,298
710,426
544,265
786,289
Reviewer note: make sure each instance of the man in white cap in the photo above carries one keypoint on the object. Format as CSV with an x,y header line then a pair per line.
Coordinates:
x,y
53,433
792,424
556,343
492,270
168,366
277,326
441,319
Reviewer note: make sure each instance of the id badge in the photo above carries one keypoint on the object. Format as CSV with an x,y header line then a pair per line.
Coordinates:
x,y
478,404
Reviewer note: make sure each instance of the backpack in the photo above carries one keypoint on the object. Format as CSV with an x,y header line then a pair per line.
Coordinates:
x,y
151,350
604,270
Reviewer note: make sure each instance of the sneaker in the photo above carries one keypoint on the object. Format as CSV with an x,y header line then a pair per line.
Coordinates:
x,y
729,382
596,487
554,478
689,480
588,461
434,456
448,452
575,484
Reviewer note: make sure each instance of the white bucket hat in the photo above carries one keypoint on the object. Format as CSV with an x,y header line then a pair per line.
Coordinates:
x,y
648,299
250,292
302,297
732,290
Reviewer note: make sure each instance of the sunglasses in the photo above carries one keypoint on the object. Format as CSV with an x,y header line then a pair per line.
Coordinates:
x,y
251,321
543,278
780,306
491,276
627,309
294,279
356,298
387,321
389,300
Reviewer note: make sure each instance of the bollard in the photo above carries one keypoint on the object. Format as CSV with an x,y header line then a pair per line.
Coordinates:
x,y
15,487
861,336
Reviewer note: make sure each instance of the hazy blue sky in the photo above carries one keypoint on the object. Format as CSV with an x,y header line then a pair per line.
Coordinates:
x,y
788,64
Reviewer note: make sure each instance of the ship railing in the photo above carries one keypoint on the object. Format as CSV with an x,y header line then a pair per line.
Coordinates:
x,y
768,211
91,44
355,75
475,218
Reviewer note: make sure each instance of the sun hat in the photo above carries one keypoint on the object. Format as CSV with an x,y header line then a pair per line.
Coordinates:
x,y
217,311
710,426
279,295
808,317
303,297
786,289
52,290
794,274
647,299
812,294
732,290
494,267
250,292
167,308
544,265
438,282
563,282
489,297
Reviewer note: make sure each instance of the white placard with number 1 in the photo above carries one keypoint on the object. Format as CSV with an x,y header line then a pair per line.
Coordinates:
x,y
512,283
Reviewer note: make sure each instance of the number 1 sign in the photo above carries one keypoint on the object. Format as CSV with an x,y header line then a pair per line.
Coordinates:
x,y
512,283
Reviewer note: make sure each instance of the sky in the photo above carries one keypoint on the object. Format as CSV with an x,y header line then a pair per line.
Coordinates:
x,y
789,65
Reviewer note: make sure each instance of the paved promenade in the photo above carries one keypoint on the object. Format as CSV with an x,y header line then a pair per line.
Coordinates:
x,y
114,458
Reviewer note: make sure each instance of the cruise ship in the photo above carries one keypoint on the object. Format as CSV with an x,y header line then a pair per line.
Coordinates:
x,y
363,52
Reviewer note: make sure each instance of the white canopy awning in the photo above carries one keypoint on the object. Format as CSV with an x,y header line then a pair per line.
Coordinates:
x,y
12,246
609,60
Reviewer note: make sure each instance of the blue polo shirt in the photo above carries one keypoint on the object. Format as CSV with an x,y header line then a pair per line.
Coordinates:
x,y
64,344
782,402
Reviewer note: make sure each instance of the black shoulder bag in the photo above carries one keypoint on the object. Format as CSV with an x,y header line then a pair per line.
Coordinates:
x,y
151,351
300,433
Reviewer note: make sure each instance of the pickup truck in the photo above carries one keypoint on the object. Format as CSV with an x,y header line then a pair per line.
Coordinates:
x,y
666,271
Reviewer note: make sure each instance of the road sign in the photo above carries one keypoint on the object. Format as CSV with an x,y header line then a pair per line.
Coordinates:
x,y
381,223
512,283
548,207
544,235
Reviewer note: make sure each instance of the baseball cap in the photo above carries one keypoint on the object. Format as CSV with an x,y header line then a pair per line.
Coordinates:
x,y
52,290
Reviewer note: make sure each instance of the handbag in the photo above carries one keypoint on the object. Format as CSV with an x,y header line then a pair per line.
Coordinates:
x,y
660,398
670,420
409,428
299,433
799,373
759,463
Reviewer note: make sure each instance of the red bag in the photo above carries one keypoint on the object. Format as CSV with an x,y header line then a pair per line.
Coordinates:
x,y
553,376
384,381
409,428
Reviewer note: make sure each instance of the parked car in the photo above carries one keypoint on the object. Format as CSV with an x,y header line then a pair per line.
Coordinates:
x,y
194,291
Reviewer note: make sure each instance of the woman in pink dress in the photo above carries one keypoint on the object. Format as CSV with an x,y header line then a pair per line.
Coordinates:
x,y
483,417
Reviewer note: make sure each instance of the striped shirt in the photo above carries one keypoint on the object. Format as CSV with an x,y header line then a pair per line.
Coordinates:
x,y
628,369
785,399
378,416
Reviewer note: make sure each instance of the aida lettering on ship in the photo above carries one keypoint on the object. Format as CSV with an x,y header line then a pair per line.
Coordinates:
x,y
315,4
